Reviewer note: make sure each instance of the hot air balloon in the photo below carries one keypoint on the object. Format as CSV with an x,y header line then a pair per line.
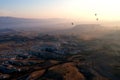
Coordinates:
x,y
95,14
72,23
97,19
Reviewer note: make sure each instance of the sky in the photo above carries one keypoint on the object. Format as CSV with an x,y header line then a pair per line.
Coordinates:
x,y
83,10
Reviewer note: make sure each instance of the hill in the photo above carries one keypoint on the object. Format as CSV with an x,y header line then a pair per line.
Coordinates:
x,y
43,25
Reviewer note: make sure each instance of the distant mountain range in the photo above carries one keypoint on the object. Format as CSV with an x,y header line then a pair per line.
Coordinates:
x,y
53,25
86,30
37,24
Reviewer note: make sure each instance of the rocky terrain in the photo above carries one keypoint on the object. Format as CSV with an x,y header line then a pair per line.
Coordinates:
x,y
83,52
57,57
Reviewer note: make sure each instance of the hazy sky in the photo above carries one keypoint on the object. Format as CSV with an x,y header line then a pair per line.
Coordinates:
x,y
76,9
